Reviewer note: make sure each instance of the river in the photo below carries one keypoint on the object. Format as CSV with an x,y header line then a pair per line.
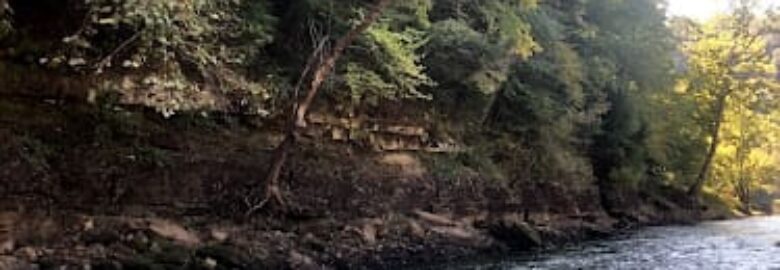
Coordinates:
x,y
735,244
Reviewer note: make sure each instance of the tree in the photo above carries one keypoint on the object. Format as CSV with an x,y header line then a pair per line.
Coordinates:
x,y
630,55
472,46
744,160
320,65
729,59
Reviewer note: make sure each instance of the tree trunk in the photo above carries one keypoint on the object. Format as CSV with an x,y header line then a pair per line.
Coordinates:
x,y
326,67
743,182
701,179
300,108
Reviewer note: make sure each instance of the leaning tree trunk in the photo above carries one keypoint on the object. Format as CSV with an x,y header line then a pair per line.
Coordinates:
x,y
322,69
701,179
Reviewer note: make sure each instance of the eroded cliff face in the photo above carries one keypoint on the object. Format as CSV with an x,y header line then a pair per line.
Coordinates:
x,y
103,181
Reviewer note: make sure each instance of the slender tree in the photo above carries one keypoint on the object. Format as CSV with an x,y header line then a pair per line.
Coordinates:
x,y
320,65
728,60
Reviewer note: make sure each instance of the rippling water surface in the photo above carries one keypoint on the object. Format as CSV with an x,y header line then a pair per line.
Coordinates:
x,y
737,244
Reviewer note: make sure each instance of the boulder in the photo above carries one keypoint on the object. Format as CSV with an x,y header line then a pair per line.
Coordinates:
x,y
512,230
461,233
435,219
219,235
11,263
297,260
173,231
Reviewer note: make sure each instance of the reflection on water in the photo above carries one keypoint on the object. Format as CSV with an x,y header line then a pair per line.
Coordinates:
x,y
737,244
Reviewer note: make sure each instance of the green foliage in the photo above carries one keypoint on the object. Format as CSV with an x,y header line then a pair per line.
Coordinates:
x,y
542,100
472,45
731,78
390,69
192,46
620,149
167,30
632,56
555,90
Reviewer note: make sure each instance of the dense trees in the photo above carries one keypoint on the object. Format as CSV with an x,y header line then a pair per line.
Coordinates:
x,y
604,91
731,78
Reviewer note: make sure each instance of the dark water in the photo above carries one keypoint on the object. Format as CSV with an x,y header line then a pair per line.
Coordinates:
x,y
738,244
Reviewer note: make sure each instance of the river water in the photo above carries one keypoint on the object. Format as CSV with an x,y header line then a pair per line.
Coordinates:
x,y
736,244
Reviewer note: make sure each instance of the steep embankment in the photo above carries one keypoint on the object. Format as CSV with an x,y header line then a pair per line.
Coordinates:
x,y
117,188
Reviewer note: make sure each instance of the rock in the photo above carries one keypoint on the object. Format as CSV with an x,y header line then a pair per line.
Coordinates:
x,y
299,261
8,221
226,256
219,235
463,235
210,263
435,219
512,230
416,229
474,219
6,246
173,231
28,253
405,164
12,263
138,241
315,243
456,232
368,233
89,224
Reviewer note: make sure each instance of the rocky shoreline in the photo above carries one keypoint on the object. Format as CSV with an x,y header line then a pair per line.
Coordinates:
x,y
418,240
134,192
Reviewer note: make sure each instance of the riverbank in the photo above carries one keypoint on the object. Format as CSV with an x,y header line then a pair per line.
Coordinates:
x,y
120,189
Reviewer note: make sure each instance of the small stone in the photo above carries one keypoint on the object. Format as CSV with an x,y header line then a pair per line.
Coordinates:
x,y
416,229
174,232
89,224
297,260
228,257
155,247
435,219
11,263
219,235
210,263
6,246
368,233
455,232
28,253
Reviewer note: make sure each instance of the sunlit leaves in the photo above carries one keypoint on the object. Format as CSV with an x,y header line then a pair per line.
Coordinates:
x,y
196,45
728,60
